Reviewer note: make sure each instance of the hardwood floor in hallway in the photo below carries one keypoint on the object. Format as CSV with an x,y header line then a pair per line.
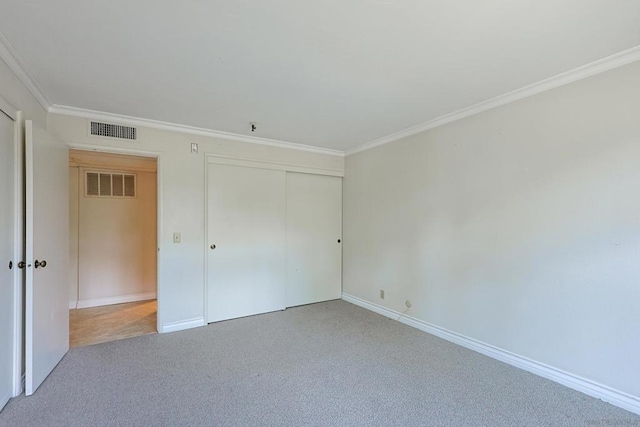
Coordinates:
x,y
112,322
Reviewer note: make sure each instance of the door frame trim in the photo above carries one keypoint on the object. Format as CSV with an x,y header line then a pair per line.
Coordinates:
x,y
159,211
8,108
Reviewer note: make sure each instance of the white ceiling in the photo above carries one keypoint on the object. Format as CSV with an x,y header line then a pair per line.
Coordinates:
x,y
331,73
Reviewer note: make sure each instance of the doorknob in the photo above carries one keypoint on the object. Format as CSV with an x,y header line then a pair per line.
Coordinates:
x,y
212,247
42,263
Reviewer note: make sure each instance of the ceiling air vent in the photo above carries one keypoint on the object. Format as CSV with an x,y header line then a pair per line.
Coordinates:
x,y
113,131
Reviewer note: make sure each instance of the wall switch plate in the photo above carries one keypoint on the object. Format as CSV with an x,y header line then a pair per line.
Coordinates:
x,y
194,148
177,238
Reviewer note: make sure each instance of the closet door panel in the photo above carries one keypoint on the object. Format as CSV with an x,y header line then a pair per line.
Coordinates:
x,y
246,253
314,233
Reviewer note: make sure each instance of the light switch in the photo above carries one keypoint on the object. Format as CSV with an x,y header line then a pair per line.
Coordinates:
x,y
176,238
194,148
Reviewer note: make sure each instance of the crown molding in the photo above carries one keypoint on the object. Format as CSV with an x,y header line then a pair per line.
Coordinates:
x,y
8,108
15,63
600,66
174,127
10,57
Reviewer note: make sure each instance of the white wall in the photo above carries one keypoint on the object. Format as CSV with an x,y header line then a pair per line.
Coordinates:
x,y
12,89
181,191
518,227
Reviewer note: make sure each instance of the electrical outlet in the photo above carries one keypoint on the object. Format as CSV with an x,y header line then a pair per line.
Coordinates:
x,y
381,293
177,238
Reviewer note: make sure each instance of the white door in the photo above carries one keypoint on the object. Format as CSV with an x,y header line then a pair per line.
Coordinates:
x,y
246,229
7,242
314,234
47,254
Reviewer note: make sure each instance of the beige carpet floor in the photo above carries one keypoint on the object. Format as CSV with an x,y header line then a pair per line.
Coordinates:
x,y
327,364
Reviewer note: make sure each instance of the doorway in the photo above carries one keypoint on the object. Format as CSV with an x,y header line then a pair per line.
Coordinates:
x,y
112,246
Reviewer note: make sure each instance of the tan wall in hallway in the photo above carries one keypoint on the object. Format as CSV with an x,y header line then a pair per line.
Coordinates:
x,y
116,243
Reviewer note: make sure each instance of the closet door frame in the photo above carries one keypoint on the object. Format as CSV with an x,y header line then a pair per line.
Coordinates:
x,y
249,163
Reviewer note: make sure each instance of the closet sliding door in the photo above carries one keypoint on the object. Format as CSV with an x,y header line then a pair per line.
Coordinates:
x,y
246,254
314,233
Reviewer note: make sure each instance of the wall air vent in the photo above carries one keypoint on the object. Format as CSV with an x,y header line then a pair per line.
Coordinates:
x,y
107,184
113,131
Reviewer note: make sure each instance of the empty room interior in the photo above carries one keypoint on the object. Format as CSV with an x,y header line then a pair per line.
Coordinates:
x,y
320,213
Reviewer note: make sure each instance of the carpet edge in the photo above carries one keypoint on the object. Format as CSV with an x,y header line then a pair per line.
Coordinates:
x,y
600,391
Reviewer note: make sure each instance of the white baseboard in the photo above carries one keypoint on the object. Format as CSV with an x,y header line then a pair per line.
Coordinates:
x,y
184,324
73,305
114,300
615,397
